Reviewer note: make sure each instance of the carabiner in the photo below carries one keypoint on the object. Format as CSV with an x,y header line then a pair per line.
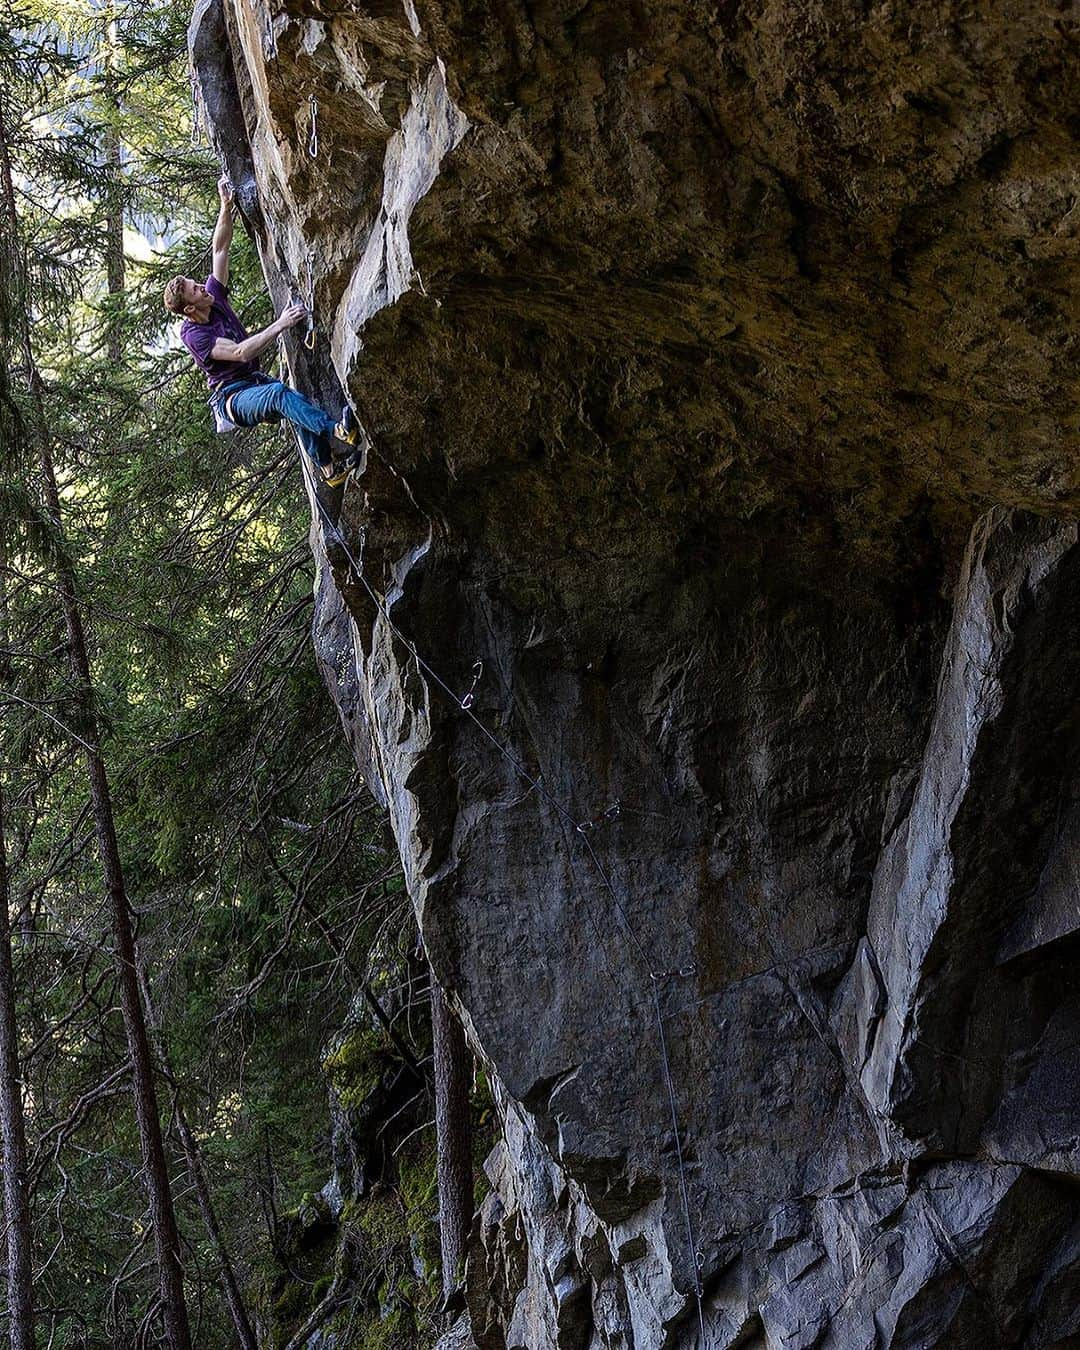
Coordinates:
x,y
313,139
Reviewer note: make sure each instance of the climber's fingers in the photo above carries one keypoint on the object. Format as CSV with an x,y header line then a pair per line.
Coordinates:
x,y
295,314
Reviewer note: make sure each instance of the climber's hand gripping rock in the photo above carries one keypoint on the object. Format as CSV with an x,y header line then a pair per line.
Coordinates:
x,y
290,317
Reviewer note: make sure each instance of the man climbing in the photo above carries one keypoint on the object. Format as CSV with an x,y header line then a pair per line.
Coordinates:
x,y
240,394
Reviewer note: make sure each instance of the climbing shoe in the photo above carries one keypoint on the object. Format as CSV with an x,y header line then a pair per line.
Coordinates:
x,y
348,429
335,473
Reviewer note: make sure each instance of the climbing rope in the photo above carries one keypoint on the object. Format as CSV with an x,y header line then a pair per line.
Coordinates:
x,y
313,138
583,829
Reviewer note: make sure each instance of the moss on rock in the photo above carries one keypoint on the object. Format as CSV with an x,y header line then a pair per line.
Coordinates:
x,y
355,1067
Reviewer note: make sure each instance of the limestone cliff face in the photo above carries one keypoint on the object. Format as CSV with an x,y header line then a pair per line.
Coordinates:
x,y
718,365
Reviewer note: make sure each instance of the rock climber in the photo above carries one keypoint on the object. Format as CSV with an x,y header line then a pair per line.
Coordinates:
x,y
240,394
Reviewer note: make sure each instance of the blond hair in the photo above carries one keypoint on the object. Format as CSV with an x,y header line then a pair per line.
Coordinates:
x,y
173,303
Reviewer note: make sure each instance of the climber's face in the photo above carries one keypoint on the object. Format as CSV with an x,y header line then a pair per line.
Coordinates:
x,y
197,301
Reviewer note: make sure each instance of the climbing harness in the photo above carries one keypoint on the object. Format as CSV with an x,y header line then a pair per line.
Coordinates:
x,y
313,138
583,829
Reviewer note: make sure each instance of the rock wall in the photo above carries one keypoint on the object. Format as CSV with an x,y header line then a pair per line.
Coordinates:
x,y
717,363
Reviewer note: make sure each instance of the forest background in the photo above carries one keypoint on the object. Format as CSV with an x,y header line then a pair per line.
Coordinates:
x,y
280,977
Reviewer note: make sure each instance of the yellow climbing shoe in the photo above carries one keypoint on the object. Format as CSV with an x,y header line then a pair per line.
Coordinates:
x,y
347,429
333,475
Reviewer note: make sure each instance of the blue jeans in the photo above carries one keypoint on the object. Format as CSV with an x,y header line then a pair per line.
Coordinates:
x,y
268,400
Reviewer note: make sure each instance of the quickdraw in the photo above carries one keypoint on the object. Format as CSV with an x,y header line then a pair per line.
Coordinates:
x,y
309,300
679,973
196,134
313,138
612,813
467,701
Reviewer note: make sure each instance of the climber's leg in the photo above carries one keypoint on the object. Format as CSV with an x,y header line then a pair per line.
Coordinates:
x,y
270,400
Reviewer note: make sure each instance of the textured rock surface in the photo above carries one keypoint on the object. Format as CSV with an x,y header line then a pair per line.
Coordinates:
x,y
718,367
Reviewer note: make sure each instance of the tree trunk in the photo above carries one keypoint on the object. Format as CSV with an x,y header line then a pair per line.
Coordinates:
x,y
155,1168
244,1335
12,1125
12,1122
453,1137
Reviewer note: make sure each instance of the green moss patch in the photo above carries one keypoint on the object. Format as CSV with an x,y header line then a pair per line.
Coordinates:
x,y
356,1066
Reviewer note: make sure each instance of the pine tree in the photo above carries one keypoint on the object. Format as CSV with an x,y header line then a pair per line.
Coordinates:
x,y
13,1126
269,910
156,1174
12,1118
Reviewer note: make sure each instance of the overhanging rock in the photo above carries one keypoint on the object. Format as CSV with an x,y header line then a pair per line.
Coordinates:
x,y
717,365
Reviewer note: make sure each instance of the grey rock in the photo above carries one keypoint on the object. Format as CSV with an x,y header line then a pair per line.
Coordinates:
x,y
716,369
459,1337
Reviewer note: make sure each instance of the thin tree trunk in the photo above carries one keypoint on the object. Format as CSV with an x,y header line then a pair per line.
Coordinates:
x,y
453,1137
155,1168
12,1125
20,1290
244,1335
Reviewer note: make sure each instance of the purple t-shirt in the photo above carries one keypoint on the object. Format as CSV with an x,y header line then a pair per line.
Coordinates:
x,y
199,338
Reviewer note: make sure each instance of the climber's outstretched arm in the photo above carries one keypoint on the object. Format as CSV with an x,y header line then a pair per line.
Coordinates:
x,y
224,349
223,232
